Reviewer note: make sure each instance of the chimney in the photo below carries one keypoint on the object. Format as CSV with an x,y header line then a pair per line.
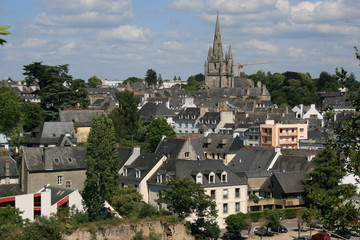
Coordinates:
x,y
7,171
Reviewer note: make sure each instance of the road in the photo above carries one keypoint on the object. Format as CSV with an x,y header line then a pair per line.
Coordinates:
x,y
292,233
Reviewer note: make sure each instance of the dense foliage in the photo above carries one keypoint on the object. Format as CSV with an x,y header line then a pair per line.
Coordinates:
x,y
57,90
183,198
194,82
235,223
10,111
101,167
94,81
155,130
151,77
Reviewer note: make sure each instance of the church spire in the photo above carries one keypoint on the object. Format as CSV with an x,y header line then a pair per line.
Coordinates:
x,y
217,47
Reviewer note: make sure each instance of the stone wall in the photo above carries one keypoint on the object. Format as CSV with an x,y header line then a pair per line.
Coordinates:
x,y
167,231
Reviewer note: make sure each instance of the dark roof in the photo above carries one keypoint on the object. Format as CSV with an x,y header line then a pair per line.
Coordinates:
x,y
188,169
187,114
221,143
252,159
57,193
54,158
7,190
124,154
171,147
14,173
80,118
156,110
288,163
145,162
290,182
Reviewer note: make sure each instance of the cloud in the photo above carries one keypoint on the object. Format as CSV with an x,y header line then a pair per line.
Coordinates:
x,y
261,45
34,43
173,45
236,6
126,33
295,52
192,5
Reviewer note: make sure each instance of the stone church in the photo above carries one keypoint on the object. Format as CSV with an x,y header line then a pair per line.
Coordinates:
x,y
219,67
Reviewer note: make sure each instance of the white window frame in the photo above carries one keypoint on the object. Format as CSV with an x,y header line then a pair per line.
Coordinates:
x,y
224,177
60,180
225,193
212,177
199,178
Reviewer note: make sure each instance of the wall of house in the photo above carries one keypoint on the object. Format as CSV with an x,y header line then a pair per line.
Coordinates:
x,y
82,133
187,147
36,181
312,113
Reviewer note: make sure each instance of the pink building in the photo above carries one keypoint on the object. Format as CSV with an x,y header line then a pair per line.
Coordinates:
x,y
284,135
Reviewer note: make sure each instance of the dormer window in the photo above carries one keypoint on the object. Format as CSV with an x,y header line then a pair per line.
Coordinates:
x,y
158,178
70,160
137,173
187,154
125,172
56,160
224,177
199,178
212,177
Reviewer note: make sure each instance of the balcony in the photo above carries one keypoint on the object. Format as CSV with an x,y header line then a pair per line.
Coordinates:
x,y
288,133
276,202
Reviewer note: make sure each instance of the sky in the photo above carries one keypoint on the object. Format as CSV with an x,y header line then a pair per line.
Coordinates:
x,y
117,39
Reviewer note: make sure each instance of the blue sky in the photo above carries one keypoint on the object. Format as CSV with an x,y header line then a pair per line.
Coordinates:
x,y
116,39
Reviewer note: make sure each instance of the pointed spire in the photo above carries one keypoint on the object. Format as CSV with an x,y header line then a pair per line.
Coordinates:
x,y
230,56
210,53
217,47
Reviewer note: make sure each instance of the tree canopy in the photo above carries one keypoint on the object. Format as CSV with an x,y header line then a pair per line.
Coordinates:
x,y
155,130
151,77
10,111
56,88
3,31
94,81
235,223
101,167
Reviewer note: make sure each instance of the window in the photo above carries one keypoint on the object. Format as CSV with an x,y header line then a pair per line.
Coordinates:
x,y
225,208
125,172
68,184
225,194
301,130
56,160
211,178
224,177
199,178
237,192
60,180
137,173
213,194
187,154
70,160
159,178
237,207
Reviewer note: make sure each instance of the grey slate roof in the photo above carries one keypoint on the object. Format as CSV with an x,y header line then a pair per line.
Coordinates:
x,y
171,147
58,193
145,162
124,154
188,169
14,173
221,143
288,163
252,159
40,159
156,110
187,115
7,190
80,118
290,182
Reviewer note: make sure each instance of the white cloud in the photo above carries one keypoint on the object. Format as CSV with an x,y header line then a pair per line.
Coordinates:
x,y
261,45
34,43
126,33
173,45
193,5
295,52
236,6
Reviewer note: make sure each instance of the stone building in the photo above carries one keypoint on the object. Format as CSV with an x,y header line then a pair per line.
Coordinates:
x,y
219,69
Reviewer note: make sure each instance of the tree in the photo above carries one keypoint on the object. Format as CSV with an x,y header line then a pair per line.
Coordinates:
x,y
235,223
126,118
310,216
133,80
155,130
127,201
34,115
159,79
10,215
272,217
151,77
3,32
94,81
43,228
56,90
101,167
325,191
183,198
10,111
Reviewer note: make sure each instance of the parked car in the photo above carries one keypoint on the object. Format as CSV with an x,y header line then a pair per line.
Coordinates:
x,y
355,233
321,236
343,232
231,236
316,224
261,231
303,238
279,229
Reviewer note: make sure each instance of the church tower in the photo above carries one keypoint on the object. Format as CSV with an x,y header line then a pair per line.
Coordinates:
x,y
219,69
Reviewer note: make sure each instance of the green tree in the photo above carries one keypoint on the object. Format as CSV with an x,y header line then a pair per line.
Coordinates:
x,y
272,217
56,90
159,79
3,32
325,191
34,115
10,215
327,83
101,167
10,111
127,201
184,197
151,77
94,81
43,228
133,80
310,216
126,118
155,130
235,223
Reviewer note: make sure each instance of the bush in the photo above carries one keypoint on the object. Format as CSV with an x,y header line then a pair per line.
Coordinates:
x,y
43,228
291,213
255,216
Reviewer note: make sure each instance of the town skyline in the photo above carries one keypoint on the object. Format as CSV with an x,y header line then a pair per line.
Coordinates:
x,y
120,39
